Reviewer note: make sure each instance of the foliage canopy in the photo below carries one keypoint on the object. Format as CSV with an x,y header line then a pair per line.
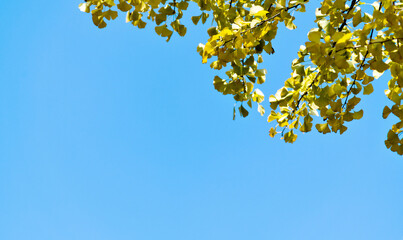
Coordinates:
x,y
354,44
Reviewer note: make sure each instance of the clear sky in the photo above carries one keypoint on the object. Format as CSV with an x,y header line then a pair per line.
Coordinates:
x,y
116,134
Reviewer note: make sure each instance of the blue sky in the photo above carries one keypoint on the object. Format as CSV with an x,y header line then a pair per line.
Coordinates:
x,y
116,134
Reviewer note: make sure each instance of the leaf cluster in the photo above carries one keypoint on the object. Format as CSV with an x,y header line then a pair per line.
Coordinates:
x,y
353,44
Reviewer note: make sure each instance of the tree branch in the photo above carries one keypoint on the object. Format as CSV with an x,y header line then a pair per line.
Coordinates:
x,y
383,41
362,63
339,29
353,3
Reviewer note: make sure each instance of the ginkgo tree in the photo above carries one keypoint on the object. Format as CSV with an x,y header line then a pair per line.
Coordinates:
x,y
353,44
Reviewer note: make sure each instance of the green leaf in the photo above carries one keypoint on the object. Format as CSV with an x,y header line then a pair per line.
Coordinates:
x,y
255,9
357,18
314,36
290,24
163,31
84,7
377,74
250,103
243,111
195,19
342,129
124,6
323,128
183,5
111,14
258,96
110,3
358,115
261,109
204,17
272,132
260,59
290,137
219,84
154,3
368,89
345,38
352,103
386,112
